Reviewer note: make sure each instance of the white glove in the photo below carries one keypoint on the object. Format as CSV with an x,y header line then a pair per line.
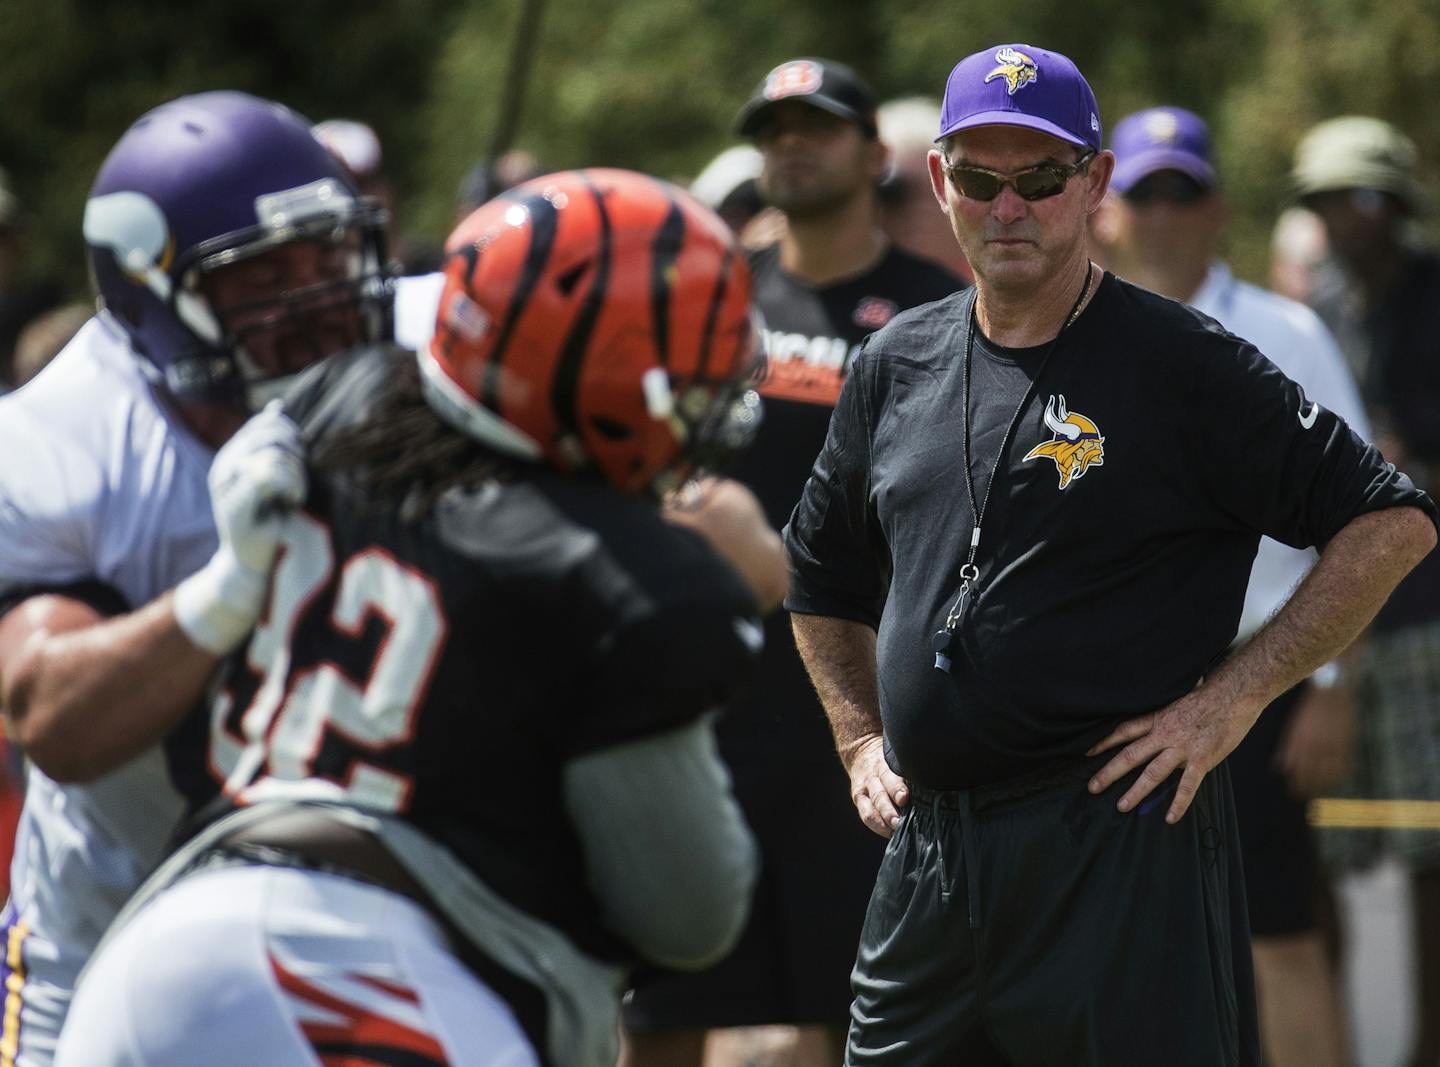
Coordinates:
x,y
254,481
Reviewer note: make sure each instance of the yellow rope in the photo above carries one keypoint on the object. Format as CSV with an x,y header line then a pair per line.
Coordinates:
x,y
1375,814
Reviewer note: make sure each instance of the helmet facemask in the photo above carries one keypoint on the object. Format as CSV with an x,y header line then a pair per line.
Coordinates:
x,y
307,283
256,305
712,420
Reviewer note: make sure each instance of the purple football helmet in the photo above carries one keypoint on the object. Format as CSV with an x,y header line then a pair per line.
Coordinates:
x,y
211,180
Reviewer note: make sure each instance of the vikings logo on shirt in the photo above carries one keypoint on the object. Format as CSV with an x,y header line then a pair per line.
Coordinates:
x,y
1077,445
1015,67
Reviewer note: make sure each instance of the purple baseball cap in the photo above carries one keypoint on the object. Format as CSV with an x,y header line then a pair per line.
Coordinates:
x,y
1017,85
1160,138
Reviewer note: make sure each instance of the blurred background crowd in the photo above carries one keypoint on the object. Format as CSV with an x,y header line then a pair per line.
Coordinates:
x,y
438,105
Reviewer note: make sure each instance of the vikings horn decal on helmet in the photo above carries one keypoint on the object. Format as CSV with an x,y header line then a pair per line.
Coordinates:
x,y
206,181
597,320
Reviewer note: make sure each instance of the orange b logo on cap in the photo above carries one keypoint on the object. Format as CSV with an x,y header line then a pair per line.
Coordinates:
x,y
795,78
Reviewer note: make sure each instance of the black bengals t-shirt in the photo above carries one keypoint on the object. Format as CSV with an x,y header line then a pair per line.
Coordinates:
x,y
811,335
1153,452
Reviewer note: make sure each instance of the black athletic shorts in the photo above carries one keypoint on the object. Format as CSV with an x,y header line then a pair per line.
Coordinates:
x,y
1276,843
792,963
1031,924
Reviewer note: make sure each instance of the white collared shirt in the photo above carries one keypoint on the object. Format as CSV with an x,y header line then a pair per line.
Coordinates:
x,y
1296,341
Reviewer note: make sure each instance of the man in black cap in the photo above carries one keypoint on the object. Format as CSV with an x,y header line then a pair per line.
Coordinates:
x,y
831,280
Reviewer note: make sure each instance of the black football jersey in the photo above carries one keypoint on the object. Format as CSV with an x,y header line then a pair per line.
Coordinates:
x,y
446,668
811,335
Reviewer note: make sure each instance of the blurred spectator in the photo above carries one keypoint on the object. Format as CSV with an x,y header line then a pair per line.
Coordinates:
x,y
1358,175
727,185
357,146
487,179
44,337
832,277
1165,224
21,298
1299,254
908,209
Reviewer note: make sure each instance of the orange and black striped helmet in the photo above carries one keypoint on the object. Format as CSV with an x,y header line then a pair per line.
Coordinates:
x,y
598,321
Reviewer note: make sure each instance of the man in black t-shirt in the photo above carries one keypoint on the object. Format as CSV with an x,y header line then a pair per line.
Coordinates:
x,y
832,279
1016,569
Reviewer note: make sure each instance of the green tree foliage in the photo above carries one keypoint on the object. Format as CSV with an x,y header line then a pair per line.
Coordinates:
x,y
655,84
75,73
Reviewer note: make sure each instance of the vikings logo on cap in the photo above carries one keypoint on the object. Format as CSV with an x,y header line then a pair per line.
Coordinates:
x,y
796,78
1015,67
1077,445
1162,127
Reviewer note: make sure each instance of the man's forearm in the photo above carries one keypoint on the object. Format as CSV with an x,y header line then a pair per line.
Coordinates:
x,y
1349,583
840,656
86,694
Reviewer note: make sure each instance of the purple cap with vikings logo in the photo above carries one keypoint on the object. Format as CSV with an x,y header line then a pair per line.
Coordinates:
x,y
1160,138
1016,85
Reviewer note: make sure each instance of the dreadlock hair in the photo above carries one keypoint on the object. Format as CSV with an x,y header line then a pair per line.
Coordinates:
x,y
401,453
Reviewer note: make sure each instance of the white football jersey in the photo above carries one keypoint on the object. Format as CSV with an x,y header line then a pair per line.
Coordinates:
x,y
98,482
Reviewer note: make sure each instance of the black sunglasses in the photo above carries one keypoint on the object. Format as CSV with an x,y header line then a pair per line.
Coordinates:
x,y
1033,183
1168,187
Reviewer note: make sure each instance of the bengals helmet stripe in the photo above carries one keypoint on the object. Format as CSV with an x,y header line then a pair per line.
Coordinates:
x,y
603,316
717,302
668,243
544,222
577,344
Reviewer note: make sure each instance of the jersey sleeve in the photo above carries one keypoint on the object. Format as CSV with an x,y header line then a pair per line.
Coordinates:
x,y
45,534
1326,376
105,599
682,640
836,549
1278,462
675,906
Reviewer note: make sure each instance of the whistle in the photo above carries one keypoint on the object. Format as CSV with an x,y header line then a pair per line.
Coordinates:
x,y
940,645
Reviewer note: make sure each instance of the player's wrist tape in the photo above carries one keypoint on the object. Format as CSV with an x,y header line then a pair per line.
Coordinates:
x,y
218,605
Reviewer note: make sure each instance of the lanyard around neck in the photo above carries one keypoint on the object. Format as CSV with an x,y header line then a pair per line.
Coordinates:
x,y
969,572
